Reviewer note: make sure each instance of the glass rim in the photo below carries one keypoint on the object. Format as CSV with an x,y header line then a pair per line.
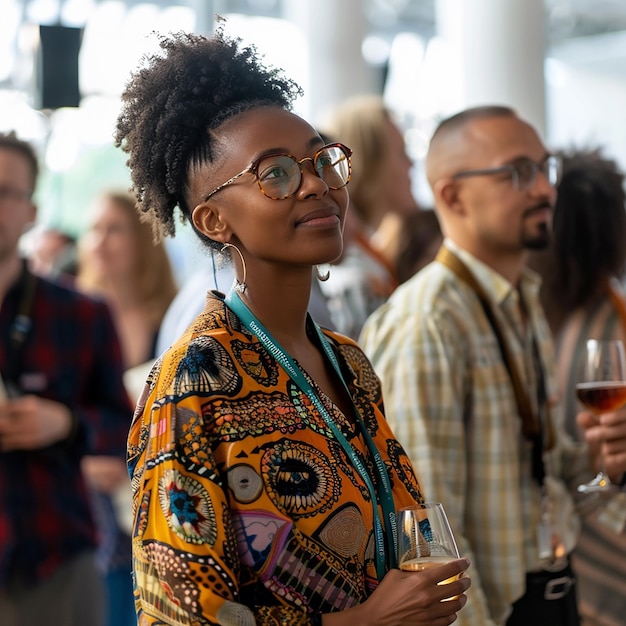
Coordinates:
x,y
418,507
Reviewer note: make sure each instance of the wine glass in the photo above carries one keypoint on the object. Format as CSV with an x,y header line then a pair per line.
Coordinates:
x,y
601,388
425,539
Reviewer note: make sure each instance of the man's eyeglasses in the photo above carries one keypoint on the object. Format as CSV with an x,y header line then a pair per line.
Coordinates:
x,y
523,172
280,175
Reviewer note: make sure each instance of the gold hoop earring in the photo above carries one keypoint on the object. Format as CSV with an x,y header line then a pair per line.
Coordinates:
x,y
323,276
240,286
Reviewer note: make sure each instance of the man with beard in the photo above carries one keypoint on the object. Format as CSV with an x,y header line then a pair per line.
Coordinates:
x,y
465,357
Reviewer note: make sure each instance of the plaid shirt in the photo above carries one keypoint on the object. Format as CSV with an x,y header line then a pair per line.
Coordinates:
x,y
450,401
70,355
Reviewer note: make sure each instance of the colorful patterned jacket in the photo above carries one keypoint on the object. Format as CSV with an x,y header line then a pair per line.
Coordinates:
x,y
246,509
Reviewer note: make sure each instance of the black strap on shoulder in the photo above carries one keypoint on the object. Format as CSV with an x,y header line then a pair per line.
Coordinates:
x,y
531,424
20,327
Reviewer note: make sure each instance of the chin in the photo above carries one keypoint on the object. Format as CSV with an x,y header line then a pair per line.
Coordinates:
x,y
537,241
334,260
335,255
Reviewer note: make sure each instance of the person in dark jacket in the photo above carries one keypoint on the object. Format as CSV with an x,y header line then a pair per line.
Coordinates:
x,y
62,398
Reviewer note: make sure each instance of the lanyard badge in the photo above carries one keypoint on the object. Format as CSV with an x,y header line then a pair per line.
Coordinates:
x,y
552,552
385,530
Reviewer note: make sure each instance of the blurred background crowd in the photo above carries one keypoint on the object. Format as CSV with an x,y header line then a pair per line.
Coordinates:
x,y
377,75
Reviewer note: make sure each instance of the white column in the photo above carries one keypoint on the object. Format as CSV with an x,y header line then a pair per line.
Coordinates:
x,y
205,11
498,50
333,33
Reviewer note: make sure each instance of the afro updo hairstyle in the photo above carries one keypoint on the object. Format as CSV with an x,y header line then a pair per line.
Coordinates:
x,y
172,102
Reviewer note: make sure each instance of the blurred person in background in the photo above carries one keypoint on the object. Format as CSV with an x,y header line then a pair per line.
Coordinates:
x,y
582,271
119,262
52,253
466,360
380,193
419,239
63,398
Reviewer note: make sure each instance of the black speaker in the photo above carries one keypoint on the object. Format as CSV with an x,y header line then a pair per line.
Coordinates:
x,y
57,76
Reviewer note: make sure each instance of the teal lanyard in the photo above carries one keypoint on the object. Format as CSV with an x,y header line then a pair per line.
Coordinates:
x,y
385,541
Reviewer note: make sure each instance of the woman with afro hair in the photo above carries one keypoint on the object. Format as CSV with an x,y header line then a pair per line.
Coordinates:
x,y
265,477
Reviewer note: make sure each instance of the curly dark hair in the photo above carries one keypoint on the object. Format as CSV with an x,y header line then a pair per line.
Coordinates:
x,y
589,223
171,104
589,233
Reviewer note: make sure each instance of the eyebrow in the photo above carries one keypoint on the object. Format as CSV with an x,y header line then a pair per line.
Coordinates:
x,y
315,141
525,157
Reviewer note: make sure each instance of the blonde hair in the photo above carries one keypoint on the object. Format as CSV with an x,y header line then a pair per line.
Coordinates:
x,y
361,122
156,284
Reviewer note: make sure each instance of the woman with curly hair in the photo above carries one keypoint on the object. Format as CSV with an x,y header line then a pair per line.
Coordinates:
x,y
265,477
583,272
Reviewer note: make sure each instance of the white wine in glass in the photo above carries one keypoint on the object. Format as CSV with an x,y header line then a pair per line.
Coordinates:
x,y
425,539
601,388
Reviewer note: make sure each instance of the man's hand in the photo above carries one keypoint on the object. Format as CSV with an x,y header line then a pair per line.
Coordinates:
x,y
30,423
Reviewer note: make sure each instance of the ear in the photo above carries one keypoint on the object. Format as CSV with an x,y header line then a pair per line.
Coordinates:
x,y
446,192
208,220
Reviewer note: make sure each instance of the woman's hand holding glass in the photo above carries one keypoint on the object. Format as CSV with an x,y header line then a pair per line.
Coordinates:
x,y
425,539
429,588
416,598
